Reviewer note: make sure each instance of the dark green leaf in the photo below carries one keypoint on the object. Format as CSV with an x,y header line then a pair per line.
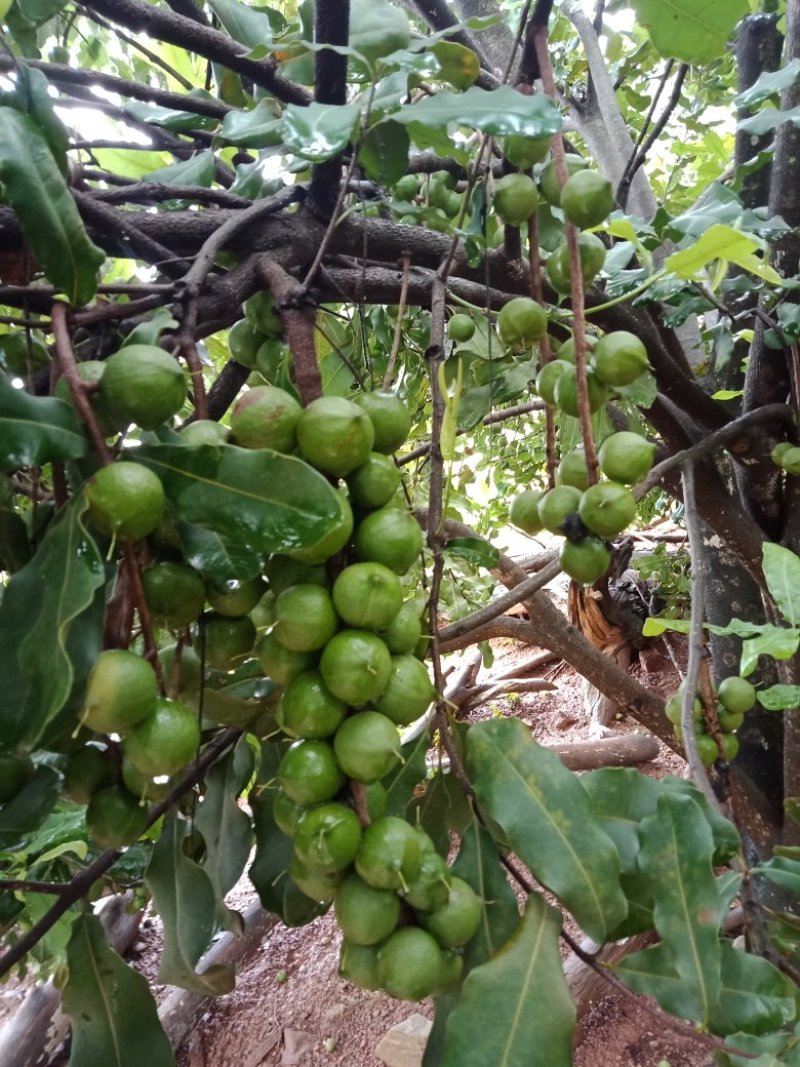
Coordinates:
x,y
254,497
401,785
457,65
384,152
770,83
258,128
41,604
479,864
45,209
319,131
243,23
218,559
516,1009
440,808
497,111
166,118
197,170
475,549
39,11
782,870
676,855
184,898
114,1017
782,572
33,96
20,817
37,429
544,812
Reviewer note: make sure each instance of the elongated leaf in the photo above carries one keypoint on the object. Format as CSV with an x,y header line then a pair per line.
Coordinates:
x,y
780,642
243,23
479,864
770,118
258,128
497,111
169,119
37,429
515,1010
384,152
33,96
319,131
779,697
652,972
23,815
401,784
722,243
218,559
226,829
545,814
114,1017
253,497
770,83
457,65
782,572
198,170
40,606
45,209
676,855
784,871
185,899
694,31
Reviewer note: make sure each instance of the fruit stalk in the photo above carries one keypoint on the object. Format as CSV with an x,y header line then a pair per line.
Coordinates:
x,y
535,271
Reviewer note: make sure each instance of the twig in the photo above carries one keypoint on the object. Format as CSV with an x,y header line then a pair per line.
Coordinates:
x,y
83,882
503,415
398,330
22,885
188,347
638,160
546,354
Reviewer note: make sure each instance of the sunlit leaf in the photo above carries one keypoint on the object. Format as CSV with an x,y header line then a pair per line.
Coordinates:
x,y
694,31
498,111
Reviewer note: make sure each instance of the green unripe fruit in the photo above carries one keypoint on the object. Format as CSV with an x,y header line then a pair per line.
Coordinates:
x,y
405,630
407,187
87,771
359,964
204,432
282,664
166,742
175,594
547,379
375,482
776,455
592,254
305,619
244,341
355,666
523,152
451,972
587,199
367,595
730,747
367,746
790,461
585,561
460,328
141,786
410,964
376,799
408,691
389,536
457,921
327,837
90,371
283,572
566,350
572,470
366,915
309,709
315,884
228,641
521,322
114,818
736,694
673,710
619,358
549,185
567,392
607,508
389,856
515,198
309,773
126,500
287,813
729,721
626,457
431,888
390,418
707,749
524,511
556,505
266,417
15,773
235,599
142,384
335,435
121,691
333,541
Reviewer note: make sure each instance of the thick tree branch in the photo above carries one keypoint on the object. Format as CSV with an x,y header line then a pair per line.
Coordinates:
x,y
186,33
331,26
298,317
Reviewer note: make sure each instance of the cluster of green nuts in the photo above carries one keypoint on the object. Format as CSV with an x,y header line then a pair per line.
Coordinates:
x,y
735,696
428,200
787,457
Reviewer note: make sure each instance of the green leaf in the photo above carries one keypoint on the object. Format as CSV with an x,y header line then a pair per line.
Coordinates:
x,y
776,641
197,170
478,863
185,900
780,697
770,83
694,31
169,119
218,559
400,785
475,549
259,128
20,817
32,95
726,244
45,209
243,23
226,829
130,162
545,814
652,972
37,11
37,429
497,111
516,1009
257,498
319,131
114,1017
769,118
676,855
782,870
384,152
4,7
40,606
458,65
782,572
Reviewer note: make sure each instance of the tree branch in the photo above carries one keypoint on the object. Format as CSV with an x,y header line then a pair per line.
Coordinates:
x,y
637,158
331,26
298,317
